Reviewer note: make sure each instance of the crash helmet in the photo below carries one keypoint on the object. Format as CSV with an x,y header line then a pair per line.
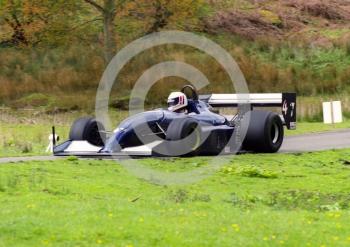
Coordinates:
x,y
177,101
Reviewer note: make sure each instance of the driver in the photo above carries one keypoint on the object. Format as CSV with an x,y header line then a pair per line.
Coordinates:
x,y
177,102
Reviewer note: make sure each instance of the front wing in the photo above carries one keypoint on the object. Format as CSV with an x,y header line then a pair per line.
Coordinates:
x,y
215,143
85,149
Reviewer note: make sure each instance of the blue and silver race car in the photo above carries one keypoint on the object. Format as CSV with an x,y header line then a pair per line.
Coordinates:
x,y
197,129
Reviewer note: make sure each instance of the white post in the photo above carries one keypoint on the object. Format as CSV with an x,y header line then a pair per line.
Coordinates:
x,y
332,112
327,112
337,112
51,141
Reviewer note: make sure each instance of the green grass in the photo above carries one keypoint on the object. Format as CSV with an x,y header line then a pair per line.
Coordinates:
x,y
27,139
255,200
315,127
23,134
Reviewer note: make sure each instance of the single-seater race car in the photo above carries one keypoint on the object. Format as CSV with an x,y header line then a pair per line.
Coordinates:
x,y
190,126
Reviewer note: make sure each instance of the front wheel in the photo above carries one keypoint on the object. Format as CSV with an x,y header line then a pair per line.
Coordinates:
x,y
265,132
87,129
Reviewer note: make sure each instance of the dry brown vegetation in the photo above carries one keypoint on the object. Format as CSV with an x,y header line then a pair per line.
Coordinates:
x,y
247,25
330,9
49,71
280,19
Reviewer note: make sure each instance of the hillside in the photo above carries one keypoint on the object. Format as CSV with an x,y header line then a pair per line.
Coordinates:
x,y
293,45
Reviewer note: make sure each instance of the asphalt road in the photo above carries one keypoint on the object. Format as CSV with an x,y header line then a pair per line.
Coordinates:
x,y
292,144
316,142
22,159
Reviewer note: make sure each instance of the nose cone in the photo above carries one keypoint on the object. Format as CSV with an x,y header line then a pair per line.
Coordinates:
x,y
144,117
124,135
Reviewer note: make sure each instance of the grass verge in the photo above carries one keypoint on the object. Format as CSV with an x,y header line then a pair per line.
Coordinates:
x,y
315,127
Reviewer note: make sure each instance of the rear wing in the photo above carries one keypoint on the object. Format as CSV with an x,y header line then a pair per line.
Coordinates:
x,y
287,102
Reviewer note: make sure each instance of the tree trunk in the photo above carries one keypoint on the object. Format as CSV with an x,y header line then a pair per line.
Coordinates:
x,y
161,16
108,29
108,12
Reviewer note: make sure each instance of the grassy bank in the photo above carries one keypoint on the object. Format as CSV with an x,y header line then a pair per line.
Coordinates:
x,y
70,79
255,200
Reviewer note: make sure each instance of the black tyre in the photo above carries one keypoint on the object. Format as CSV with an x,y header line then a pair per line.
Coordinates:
x,y
87,129
265,132
180,129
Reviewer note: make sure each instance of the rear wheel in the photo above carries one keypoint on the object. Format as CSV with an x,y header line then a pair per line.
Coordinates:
x,y
87,129
265,132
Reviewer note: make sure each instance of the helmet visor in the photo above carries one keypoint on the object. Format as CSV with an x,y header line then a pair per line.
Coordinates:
x,y
173,102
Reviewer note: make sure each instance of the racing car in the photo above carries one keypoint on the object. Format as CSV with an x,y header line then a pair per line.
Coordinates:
x,y
191,125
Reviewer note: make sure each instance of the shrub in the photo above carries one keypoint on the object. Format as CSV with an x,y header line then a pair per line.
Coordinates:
x,y
179,196
249,171
25,147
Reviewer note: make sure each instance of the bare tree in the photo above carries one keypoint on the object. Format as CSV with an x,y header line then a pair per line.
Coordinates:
x,y
18,36
160,15
108,11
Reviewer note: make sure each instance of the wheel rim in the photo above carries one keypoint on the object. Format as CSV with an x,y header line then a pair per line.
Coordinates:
x,y
195,131
95,137
197,143
275,133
